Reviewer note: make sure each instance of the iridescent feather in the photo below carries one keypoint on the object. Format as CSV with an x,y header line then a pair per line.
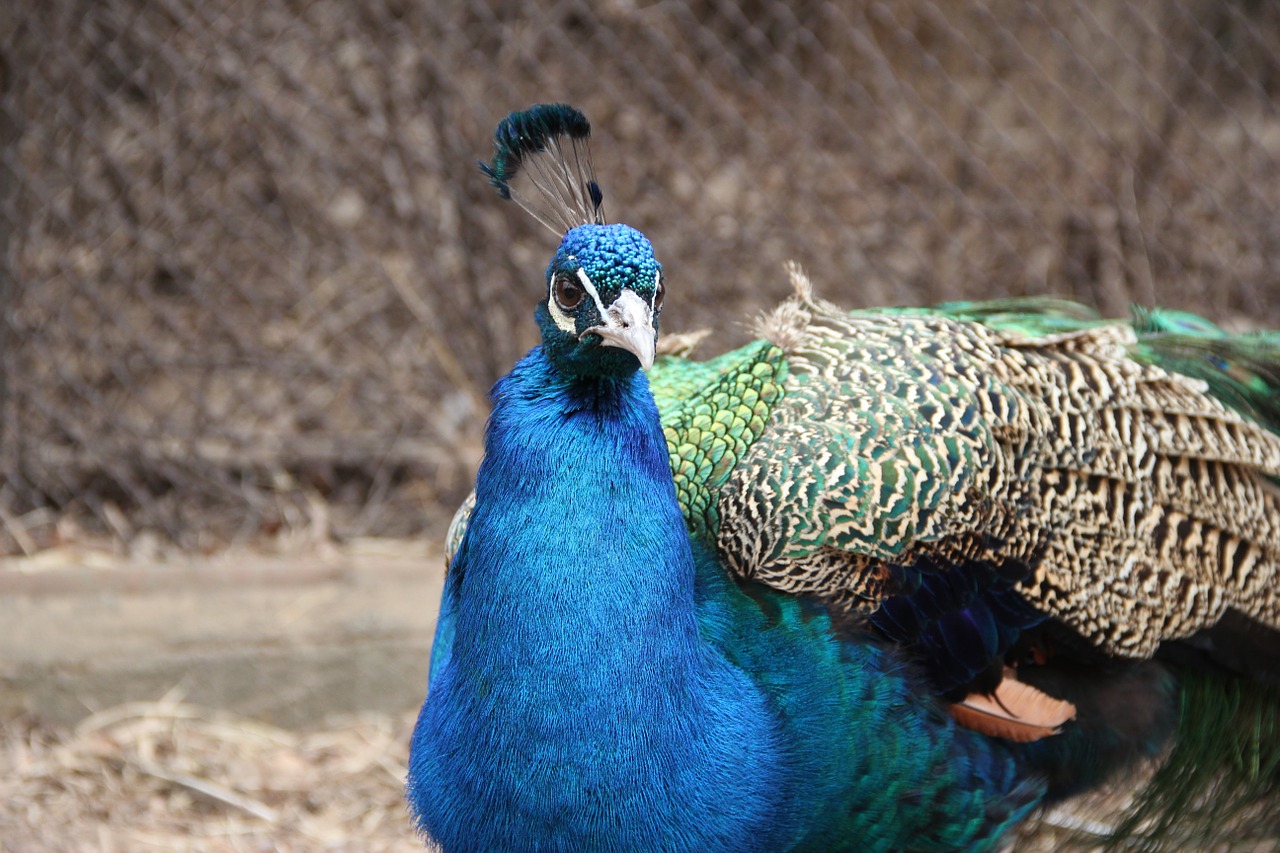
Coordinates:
x,y
1015,499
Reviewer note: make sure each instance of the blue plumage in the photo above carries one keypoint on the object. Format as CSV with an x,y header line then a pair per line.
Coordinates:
x,y
595,688
961,622
568,664
600,682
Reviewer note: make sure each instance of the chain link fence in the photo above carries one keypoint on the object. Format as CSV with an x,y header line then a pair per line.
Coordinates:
x,y
252,281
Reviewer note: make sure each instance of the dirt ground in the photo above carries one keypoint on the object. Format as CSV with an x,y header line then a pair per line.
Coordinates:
x,y
329,645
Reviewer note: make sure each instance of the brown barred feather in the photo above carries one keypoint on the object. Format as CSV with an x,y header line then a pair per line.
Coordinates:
x,y
1140,499
853,443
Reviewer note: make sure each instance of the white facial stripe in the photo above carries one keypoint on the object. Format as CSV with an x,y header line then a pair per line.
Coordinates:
x,y
591,289
657,285
562,320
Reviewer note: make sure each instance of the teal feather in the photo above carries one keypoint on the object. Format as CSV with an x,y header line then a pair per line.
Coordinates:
x,y
1221,777
730,604
1243,371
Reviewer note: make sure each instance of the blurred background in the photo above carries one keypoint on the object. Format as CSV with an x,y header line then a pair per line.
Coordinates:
x,y
253,291
250,268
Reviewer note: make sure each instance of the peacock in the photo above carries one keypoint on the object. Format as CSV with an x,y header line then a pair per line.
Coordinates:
x,y
881,580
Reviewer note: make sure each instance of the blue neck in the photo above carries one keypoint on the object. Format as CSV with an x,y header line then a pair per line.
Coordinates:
x,y
576,494
574,671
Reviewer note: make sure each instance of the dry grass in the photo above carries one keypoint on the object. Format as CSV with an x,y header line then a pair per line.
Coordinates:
x,y
174,777
179,778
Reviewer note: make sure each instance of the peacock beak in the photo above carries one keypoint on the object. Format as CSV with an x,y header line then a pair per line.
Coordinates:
x,y
628,324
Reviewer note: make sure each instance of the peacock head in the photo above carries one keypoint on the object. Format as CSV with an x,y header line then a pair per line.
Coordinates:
x,y
604,287
604,296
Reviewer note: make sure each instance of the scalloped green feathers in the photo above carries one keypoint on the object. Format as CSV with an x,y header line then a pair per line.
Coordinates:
x,y
712,412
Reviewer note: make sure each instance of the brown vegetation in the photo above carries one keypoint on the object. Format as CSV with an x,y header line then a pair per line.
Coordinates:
x,y
252,270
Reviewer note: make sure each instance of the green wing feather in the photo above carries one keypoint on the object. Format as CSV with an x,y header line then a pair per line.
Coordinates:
x,y
1221,778
1243,371
712,411
937,430
1031,432
1130,463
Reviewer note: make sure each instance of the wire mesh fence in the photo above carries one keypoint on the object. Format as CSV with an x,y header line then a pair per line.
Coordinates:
x,y
252,280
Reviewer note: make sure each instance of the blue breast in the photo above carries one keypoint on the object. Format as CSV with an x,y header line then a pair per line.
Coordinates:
x,y
600,684
575,706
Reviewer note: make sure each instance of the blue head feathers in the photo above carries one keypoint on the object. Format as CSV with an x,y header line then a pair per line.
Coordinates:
x,y
604,287
604,295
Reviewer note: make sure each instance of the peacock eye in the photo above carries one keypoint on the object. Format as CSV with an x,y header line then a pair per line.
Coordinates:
x,y
568,293
659,295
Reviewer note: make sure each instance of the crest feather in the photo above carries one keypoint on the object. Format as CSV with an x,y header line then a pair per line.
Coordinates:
x,y
530,144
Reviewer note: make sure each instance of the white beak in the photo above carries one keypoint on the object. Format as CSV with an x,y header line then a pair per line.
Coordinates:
x,y
628,324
